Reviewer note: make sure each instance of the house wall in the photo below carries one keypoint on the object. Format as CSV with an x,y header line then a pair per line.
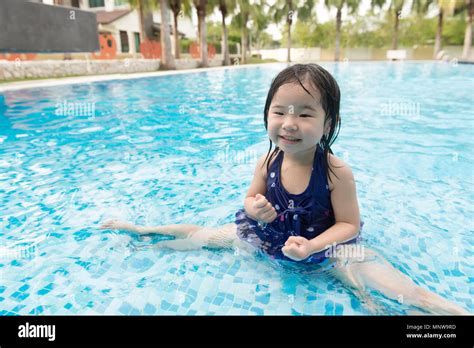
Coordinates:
x,y
129,23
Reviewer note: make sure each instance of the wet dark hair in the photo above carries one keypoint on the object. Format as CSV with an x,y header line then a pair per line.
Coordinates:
x,y
330,100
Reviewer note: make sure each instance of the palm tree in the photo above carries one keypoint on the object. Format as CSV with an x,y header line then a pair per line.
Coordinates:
x,y
285,9
352,6
248,12
260,23
395,7
240,20
468,35
142,6
445,7
288,9
201,9
176,7
167,59
225,7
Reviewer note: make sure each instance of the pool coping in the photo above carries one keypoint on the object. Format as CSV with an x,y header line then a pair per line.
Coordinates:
x,y
19,85
13,86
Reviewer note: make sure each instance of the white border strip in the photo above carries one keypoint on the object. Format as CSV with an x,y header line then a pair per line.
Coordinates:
x,y
95,78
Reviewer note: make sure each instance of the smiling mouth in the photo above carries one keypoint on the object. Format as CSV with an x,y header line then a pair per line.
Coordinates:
x,y
289,139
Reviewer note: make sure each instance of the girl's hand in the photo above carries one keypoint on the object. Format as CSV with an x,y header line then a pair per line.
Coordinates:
x,y
119,225
297,248
263,209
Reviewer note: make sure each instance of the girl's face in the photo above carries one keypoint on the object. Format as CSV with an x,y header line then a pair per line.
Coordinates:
x,y
296,119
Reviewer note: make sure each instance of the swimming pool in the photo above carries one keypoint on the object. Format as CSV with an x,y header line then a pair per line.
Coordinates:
x,y
182,148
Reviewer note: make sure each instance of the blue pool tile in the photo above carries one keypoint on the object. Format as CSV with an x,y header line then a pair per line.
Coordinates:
x,y
422,267
355,304
20,295
165,305
191,312
258,311
2,289
18,308
125,308
218,301
207,299
134,311
82,234
1,298
265,299
329,307
434,276
68,305
37,310
46,289
295,312
61,270
149,309
457,273
339,309
24,288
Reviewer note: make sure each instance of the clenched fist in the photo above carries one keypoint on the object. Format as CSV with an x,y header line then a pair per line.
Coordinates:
x,y
263,209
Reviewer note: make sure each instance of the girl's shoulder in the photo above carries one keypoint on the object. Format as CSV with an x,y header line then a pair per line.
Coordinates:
x,y
340,170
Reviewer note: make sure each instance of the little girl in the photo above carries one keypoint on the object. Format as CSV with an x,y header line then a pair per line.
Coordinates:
x,y
302,203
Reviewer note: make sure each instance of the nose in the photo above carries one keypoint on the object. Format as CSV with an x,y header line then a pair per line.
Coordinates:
x,y
289,124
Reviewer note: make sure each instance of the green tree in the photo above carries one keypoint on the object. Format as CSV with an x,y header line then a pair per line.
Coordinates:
x,y
226,7
167,58
468,33
445,7
142,7
179,8
201,7
287,9
395,10
240,20
352,6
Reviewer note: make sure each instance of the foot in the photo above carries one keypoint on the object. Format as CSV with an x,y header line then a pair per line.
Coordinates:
x,y
119,225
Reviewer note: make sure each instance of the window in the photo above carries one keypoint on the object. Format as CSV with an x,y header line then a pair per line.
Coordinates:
x,y
75,3
120,2
124,41
137,42
96,3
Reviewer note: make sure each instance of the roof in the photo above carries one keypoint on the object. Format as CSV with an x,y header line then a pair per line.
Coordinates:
x,y
106,17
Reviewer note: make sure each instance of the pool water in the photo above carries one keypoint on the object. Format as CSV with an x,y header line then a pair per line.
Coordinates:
x,y
182,149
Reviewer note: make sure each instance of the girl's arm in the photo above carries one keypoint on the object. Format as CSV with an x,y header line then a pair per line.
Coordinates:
x,y
258,185
345,206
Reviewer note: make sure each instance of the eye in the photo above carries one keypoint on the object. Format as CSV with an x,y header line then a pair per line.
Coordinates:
x,y
305,115
278,113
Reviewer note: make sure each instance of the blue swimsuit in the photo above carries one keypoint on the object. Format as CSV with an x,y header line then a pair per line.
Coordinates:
x,y
307,214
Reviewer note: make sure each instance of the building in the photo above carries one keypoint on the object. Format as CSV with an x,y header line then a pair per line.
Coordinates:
x,y
116,19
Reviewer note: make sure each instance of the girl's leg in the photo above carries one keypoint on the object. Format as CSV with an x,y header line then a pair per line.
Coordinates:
x,y
188,236
373,271
177,230
223,237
